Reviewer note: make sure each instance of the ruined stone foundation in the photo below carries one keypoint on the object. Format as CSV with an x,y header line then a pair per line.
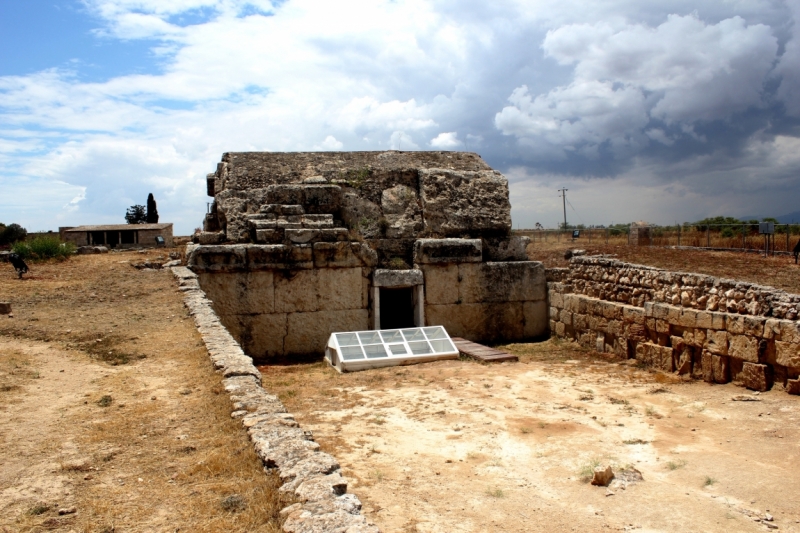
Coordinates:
x,y
298,246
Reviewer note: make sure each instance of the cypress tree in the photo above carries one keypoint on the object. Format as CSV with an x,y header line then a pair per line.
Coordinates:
x,y
152,210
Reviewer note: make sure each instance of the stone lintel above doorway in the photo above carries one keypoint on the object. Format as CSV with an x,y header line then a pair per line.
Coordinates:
x,y
397,278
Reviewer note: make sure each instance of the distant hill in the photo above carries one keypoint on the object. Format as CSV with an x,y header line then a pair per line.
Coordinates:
x,y
789,218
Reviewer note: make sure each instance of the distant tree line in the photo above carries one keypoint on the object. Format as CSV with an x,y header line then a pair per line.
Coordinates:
x,y
11,234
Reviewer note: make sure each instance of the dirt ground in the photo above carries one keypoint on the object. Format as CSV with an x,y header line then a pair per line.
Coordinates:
x,y
109,407
457,446
777,271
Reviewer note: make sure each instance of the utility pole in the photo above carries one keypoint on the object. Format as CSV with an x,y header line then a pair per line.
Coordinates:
x,y
564,202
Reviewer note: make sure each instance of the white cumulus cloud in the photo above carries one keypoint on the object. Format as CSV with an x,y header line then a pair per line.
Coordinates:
x,y
446,141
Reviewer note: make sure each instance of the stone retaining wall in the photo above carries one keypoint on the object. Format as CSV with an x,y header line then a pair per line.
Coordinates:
x,y
313,477
709,328
608,279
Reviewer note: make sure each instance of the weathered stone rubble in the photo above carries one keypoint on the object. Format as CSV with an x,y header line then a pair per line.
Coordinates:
x,y
387,199
708,328
608,279
313,477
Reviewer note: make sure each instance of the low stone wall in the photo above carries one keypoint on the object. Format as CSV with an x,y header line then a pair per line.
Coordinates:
x,y
608,279
311,476
709,328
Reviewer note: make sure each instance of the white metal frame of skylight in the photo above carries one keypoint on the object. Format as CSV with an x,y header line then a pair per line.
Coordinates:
x,y
359,350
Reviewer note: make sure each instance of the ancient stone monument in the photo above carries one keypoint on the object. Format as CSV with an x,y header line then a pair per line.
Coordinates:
x,y
299,245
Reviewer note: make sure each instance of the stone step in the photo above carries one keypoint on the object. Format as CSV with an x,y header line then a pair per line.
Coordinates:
x,y
292,222
303,236
262,216
283,209
300,235
317,221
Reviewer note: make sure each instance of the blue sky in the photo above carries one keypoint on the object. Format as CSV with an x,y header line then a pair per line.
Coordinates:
x,y
662,110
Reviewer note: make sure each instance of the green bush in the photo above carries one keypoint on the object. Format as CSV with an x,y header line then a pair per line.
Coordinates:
x,y
42,248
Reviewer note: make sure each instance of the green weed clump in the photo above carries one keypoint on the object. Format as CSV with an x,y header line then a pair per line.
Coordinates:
x,y
42,248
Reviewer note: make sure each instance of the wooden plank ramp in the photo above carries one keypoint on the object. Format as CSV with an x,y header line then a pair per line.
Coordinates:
x,y
481,352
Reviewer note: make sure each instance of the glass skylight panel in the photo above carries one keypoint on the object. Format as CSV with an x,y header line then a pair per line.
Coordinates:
x,y
413,334
442,345
392,335
360,350
347,339
436,332
369,337
351,352
398,349
375,350
420,347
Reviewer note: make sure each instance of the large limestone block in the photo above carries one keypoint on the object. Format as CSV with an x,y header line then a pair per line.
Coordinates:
x,y
513,248
361,214
278,256
790,331
706,362
787,353
633,315
239,292
296,291
322,199
441,284
308,333
285,194
555,298
335,255
610,310
535,314
721,368
717,342
397,278
479,322
402,212
264,334
218,258
458,202
655,356
339,288
756,377
432,251
746,325
516,281
743,347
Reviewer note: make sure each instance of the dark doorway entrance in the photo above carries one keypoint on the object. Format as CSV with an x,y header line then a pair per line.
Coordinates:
x,y
112,238
397,308
128,237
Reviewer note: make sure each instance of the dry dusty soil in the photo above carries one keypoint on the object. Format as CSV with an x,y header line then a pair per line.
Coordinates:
x,y
457,446
109,406
111,415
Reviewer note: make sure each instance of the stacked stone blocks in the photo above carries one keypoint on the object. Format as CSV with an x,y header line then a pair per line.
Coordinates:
x,y
664,319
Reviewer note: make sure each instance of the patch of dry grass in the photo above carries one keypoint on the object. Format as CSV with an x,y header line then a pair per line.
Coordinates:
x,y
157,459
